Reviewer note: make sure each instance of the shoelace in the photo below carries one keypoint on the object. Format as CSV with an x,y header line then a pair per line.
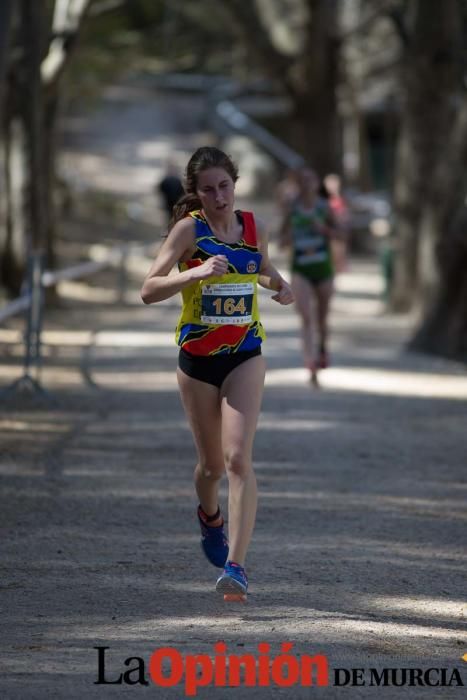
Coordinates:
x,y
238,570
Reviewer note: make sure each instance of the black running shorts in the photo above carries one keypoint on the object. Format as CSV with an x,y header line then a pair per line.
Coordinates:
x,y
213,369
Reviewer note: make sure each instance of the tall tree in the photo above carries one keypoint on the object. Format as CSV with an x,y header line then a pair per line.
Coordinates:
x,y
6,14
28,131
431,180
67,18
306,69
22,194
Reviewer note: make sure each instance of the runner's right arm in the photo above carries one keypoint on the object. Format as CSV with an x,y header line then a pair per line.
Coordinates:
x,y
179,245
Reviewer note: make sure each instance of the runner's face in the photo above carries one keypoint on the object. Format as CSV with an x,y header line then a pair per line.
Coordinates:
x,y
216,191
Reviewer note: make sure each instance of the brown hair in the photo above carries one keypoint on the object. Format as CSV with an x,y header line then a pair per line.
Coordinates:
x,y
204,158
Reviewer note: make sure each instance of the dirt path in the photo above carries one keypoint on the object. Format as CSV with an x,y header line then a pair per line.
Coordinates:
x,y
359,548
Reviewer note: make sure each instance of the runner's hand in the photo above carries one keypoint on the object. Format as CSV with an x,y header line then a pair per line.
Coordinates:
x,y
213,267
285,295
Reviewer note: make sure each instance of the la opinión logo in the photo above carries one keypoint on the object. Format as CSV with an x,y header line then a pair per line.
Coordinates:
x,y
168,667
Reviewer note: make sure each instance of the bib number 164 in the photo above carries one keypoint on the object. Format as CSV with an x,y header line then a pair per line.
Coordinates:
x,y
229,306
227,303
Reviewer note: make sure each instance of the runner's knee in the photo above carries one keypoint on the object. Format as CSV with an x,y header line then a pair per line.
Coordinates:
x,y
237,462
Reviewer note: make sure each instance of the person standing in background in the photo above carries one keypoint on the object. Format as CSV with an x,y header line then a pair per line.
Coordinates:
x,y
170,188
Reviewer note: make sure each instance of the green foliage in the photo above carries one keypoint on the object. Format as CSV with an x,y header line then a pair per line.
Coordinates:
x,y
152,35
106,47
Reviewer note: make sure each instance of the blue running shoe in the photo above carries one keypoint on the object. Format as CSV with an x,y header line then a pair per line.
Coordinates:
x,y
214,542
233,580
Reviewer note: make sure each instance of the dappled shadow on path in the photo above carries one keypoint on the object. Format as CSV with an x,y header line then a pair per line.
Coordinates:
x,y
358,548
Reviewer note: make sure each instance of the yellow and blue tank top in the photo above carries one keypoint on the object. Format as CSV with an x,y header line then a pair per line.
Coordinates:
x,y
220,314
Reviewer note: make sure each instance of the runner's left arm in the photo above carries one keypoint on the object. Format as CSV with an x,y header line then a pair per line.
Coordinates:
x,y
269,277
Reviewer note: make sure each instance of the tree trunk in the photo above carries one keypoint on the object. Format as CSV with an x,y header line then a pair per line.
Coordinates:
x,y
11,260
67,20
30,135
315,129
13,244
309,78
50,142
430,77
24,155
432,228
408,192
443,329
32,106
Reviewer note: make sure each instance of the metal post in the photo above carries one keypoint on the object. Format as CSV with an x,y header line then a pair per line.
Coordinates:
x,y
32,340
34,319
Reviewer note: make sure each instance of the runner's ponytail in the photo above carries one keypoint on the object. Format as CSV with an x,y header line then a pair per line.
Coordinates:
x,y
188,202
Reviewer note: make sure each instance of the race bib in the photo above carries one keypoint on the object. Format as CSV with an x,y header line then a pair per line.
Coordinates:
x,y
227,303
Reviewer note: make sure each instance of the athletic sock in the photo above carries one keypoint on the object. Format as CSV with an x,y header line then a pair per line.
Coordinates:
x,y
215,520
